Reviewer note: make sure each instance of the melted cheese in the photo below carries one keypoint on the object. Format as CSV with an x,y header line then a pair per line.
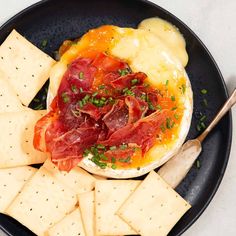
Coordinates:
x,y
158,49
169,35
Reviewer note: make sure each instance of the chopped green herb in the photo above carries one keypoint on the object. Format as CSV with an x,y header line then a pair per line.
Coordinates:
x,y
125,90
113,166
129,92
203,118
134,81
167,82
163,128
172,98
95,94
159,107
111,100
86,98
74,88
94,150
65,97
95,102
123,72
146,85
113,148
183,86
101,86
86,153
103,157
204,91
123,146
113,160
81,75
205,103
81,90
36,100
199,128
102,165
100,146
173,108
203,125
103,99
198,164
125,160
143,97
168,125
176,116
39,107
80,104
150,106
44,43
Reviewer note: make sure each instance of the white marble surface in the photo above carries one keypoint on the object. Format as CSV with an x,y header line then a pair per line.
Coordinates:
x,y
214,22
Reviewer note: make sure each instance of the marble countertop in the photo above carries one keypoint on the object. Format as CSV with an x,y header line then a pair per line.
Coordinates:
x,y
214,22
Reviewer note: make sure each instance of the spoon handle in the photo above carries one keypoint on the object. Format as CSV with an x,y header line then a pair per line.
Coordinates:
x,y
229,103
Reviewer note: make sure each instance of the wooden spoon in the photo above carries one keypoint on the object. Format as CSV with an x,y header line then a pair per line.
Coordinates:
x,y
174,171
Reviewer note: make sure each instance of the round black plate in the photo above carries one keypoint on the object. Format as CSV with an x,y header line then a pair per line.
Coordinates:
x,y
57,20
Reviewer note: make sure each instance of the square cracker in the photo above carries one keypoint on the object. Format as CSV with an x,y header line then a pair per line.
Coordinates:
x,y
71,225
42,203
9,102
26,67
16,139
77,179
87,209
154,208
12,181
109,196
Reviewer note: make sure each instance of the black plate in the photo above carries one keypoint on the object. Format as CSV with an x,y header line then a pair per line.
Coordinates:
x,y
57,20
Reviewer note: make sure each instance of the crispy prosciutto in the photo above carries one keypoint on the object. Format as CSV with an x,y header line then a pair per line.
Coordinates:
x,y
104,109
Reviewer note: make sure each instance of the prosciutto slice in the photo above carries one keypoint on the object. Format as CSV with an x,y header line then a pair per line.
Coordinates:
x,y
137,108
117,117
97,104
129,80
143,133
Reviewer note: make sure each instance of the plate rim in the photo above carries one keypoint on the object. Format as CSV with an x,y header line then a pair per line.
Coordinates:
x,y
229,114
